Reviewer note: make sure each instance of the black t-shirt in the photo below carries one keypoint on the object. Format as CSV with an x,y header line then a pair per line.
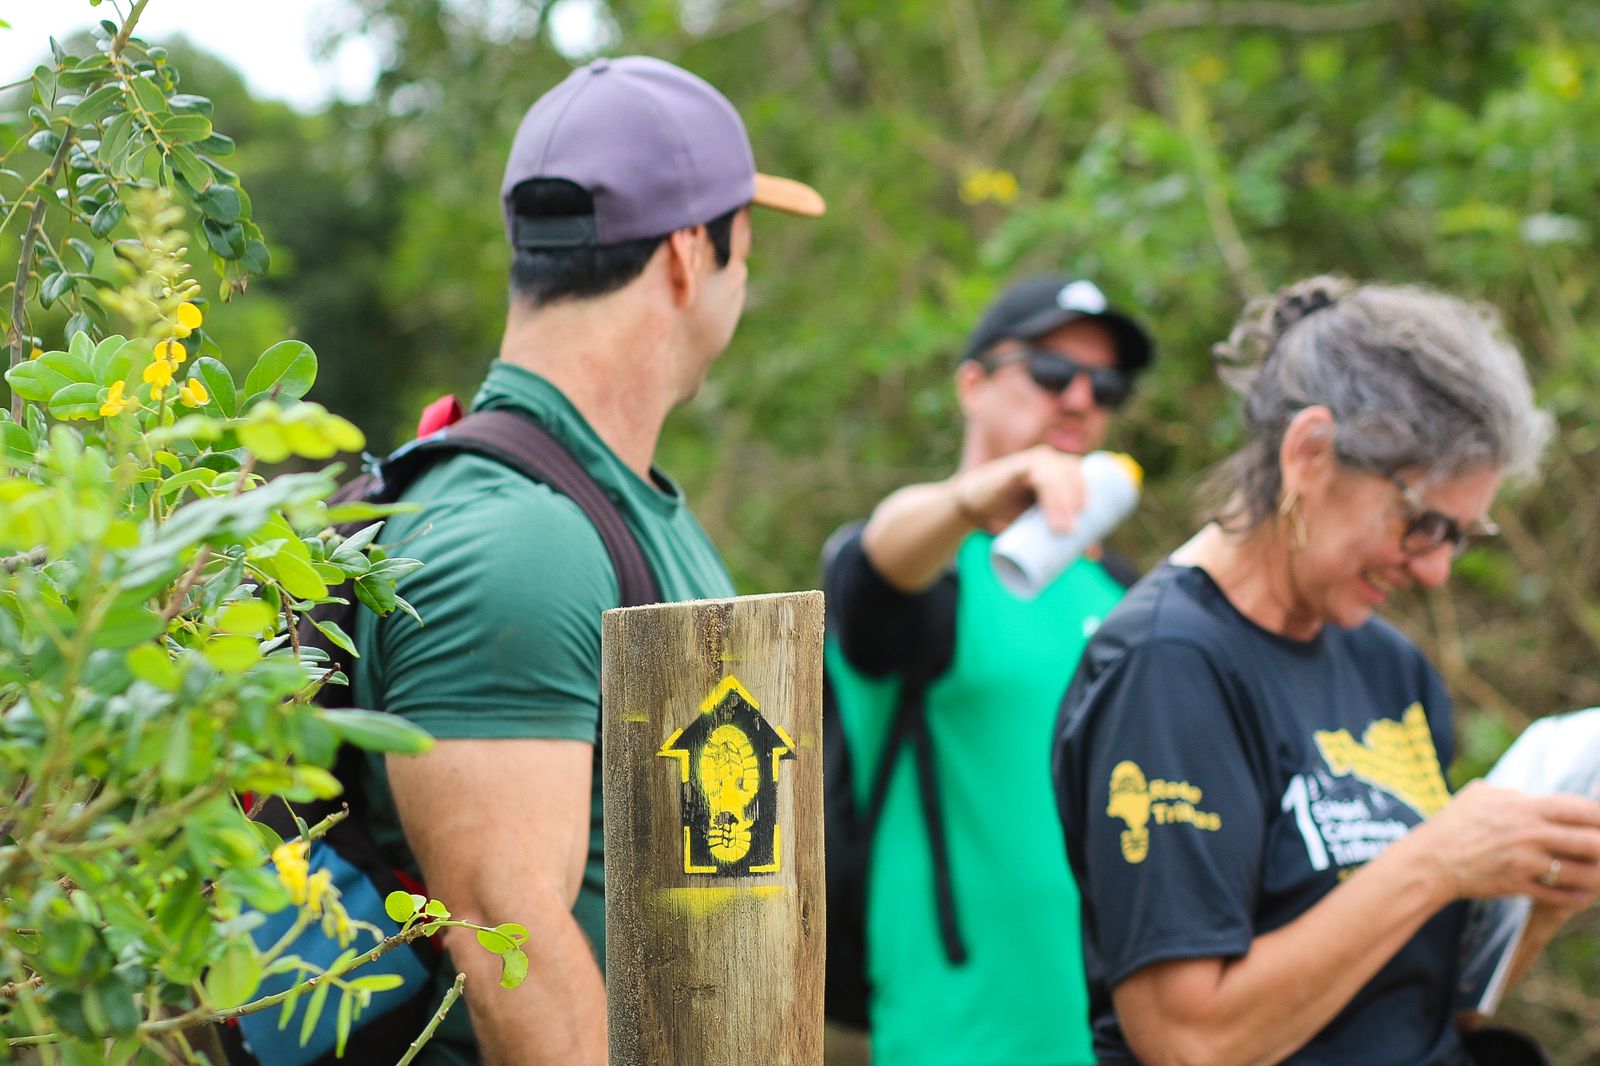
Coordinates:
x,y
1216,780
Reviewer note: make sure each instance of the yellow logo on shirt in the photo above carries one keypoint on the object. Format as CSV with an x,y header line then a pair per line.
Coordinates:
x,y
1398,757
1138,802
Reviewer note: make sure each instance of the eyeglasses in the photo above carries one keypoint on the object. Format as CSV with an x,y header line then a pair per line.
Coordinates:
x,y
1426,529
1055,373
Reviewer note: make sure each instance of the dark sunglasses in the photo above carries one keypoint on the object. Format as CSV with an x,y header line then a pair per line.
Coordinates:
x,y
1055,373
1427,529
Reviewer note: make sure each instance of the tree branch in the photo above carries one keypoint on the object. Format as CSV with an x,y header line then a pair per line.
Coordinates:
x,y
1268,14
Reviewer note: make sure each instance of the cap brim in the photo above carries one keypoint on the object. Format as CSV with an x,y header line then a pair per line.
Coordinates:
x,y
786,194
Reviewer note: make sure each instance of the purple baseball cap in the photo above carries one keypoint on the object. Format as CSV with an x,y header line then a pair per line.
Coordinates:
x,y
656,148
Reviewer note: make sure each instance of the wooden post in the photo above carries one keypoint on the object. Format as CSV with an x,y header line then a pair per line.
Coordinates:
x,y
713,804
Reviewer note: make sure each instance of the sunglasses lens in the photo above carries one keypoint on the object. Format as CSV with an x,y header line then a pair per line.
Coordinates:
x,y
1055,373
1110,387
1430,529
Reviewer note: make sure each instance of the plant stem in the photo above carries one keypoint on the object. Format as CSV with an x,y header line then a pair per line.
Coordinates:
x,y
120,42
19,301
181,593
450,998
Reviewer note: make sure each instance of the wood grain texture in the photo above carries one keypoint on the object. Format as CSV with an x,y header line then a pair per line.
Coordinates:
x,y
706,969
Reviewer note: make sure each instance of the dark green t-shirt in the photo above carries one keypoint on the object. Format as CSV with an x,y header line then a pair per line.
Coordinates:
x,y
1020,999
511,591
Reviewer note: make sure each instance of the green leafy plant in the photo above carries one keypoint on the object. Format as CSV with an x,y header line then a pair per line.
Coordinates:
x,y
152,579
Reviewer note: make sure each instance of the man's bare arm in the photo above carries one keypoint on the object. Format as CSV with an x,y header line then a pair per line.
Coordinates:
x,y
500,829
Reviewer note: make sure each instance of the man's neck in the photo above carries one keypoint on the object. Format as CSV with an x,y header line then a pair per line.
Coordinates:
x,y
610,361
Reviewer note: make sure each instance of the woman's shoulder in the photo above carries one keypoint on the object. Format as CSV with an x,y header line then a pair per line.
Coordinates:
x,y
1171,605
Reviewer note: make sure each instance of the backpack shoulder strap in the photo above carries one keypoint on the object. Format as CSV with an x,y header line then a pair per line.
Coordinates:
x,y
909,728
524,445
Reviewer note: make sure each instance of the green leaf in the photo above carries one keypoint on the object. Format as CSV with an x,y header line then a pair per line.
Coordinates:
x,y
377,731
517,933
191,166
513,968
45,142
129,622
72,365
77,325
149,663
290,367
436,909
190,104
341,1026
217,144
232,654
256,259
226,240
184,128
234,977
92,107
247,616
84,251
220,203
197,475
150,98
55,287
296,575
378,596
80,400
400,906
266,439
338,637
178,764
493,941
113,358
380,982
219,385
105,220
16,443
114,142
314,1010
33,381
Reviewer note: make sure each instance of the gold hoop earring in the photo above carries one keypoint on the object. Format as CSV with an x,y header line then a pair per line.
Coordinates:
x,y
1289,511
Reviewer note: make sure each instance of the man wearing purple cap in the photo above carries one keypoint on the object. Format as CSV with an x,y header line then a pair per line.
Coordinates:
x,y
946,685
626,202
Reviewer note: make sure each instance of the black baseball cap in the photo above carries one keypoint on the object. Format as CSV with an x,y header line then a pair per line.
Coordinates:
x,y
1036,305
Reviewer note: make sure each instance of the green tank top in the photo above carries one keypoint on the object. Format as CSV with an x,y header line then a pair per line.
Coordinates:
x,y
1020,998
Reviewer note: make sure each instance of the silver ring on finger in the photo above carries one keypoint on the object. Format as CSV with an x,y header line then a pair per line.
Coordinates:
x,y
1551,878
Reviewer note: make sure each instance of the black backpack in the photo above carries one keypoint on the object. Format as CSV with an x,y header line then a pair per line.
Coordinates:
x,y
393,1019
848,831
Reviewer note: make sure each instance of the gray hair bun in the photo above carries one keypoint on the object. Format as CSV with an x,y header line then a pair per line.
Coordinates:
x,y
1415,379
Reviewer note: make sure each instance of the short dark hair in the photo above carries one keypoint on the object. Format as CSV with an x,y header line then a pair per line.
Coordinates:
x,y
546,275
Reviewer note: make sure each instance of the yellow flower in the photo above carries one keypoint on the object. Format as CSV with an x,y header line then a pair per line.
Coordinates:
x,y
319,889
36,353
189,319
173,350
290,859
336,923
115,403
158,373
193,393
997,185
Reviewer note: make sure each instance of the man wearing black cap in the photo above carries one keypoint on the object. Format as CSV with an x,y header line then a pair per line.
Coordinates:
x,y
626,201
946,687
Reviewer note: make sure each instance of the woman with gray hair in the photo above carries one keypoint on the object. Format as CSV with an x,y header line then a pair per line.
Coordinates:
x,y
1249,764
